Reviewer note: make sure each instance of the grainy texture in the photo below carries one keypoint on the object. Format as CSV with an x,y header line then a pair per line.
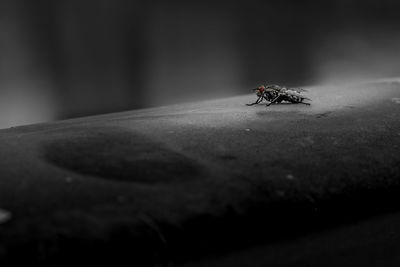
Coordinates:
x,y
198,180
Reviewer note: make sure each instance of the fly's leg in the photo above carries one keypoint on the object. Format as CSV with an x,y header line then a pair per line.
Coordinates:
x,y
276,99
255,103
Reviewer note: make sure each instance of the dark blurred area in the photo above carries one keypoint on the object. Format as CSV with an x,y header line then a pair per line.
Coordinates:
x,y
63,59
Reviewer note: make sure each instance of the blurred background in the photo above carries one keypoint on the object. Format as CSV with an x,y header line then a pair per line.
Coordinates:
x,y
64,59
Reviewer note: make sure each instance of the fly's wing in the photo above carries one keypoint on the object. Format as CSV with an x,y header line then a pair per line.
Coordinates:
x,y
268,89
298,89
294,93
273,86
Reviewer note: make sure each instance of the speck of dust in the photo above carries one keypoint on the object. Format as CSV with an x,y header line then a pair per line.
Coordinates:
x,y
247,130
290,177
5,216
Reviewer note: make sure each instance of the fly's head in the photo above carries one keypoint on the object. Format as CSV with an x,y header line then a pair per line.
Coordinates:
x,y
260,90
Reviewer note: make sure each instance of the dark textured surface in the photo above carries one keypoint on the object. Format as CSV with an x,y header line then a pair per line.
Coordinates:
x,y
119,155
191,183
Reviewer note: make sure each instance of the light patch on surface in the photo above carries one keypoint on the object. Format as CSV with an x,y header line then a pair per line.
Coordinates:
x,y
5,216
290,177
396,100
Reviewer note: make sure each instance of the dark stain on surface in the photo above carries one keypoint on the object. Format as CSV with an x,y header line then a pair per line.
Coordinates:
x,y
323,115
228,157
119,155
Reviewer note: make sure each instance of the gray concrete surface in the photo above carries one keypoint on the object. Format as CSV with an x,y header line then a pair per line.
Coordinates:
x,y
211,182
